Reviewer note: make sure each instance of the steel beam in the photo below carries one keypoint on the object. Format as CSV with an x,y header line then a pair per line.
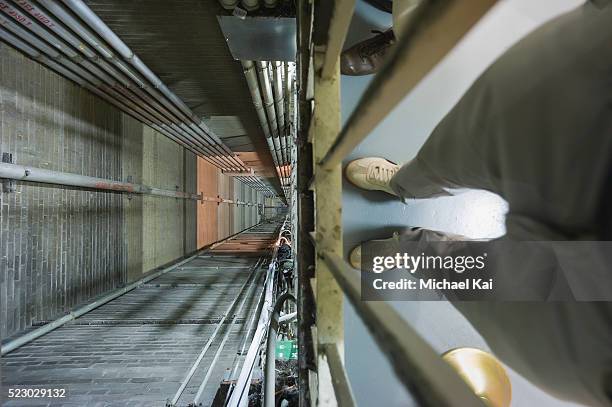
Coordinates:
x,y
437,26
342,385
328,220
430,380
338,28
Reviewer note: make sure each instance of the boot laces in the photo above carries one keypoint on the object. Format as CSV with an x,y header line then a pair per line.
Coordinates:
x,y
376,45
380,174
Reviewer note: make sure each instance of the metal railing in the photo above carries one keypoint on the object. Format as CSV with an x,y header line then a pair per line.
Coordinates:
x,y
240,389
26,173
434,29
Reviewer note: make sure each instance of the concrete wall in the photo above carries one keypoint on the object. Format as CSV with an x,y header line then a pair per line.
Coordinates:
x,y
218,220
158,229
62,246
207,225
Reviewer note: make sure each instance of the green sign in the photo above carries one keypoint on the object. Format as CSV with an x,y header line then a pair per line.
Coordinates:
x,y
286,350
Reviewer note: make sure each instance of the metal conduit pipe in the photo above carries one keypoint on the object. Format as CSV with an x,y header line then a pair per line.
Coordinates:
x,y
33,8
240,393
228,4
263,72
67,73
250,184
250,74
53,25
87,15
270,3
253,184
270,368
287,85
63,65
256,181
87,68
278,101
33,174
250,5
287,93
266,91
210,340
126,99
196,399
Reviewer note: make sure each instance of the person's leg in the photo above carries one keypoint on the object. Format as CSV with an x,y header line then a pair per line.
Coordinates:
x,y
562,347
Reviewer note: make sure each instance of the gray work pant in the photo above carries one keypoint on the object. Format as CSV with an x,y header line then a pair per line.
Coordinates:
x,y
536,129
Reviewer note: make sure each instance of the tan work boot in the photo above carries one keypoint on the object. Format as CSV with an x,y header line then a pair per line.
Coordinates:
x,y
367,57
372,174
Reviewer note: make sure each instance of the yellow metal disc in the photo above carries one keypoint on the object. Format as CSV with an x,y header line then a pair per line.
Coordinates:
x,y
483,373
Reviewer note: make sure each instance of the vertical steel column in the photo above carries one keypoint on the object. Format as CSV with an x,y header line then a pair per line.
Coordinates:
x,y
328,223
305,210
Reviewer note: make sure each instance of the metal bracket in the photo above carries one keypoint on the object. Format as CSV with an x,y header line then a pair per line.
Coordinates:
x,y
130,179
8,185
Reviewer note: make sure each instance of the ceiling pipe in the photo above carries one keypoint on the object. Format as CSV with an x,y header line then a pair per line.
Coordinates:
x,y
228,4
279,104
270,3
99,27
250,5
47,55
33,174
250,73
288,111
88,67
268,98
164,111
279,107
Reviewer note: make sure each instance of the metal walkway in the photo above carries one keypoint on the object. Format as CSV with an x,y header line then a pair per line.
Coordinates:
x,y
137,349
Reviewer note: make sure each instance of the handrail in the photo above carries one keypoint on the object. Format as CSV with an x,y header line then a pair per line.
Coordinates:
x,y
270,367
26,173
240,393
418,366
211,338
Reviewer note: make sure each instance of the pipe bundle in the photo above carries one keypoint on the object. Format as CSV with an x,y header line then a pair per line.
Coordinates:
x,y
71,39
272,88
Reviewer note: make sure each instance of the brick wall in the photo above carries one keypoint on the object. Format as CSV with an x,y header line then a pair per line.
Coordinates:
x,y
60,247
